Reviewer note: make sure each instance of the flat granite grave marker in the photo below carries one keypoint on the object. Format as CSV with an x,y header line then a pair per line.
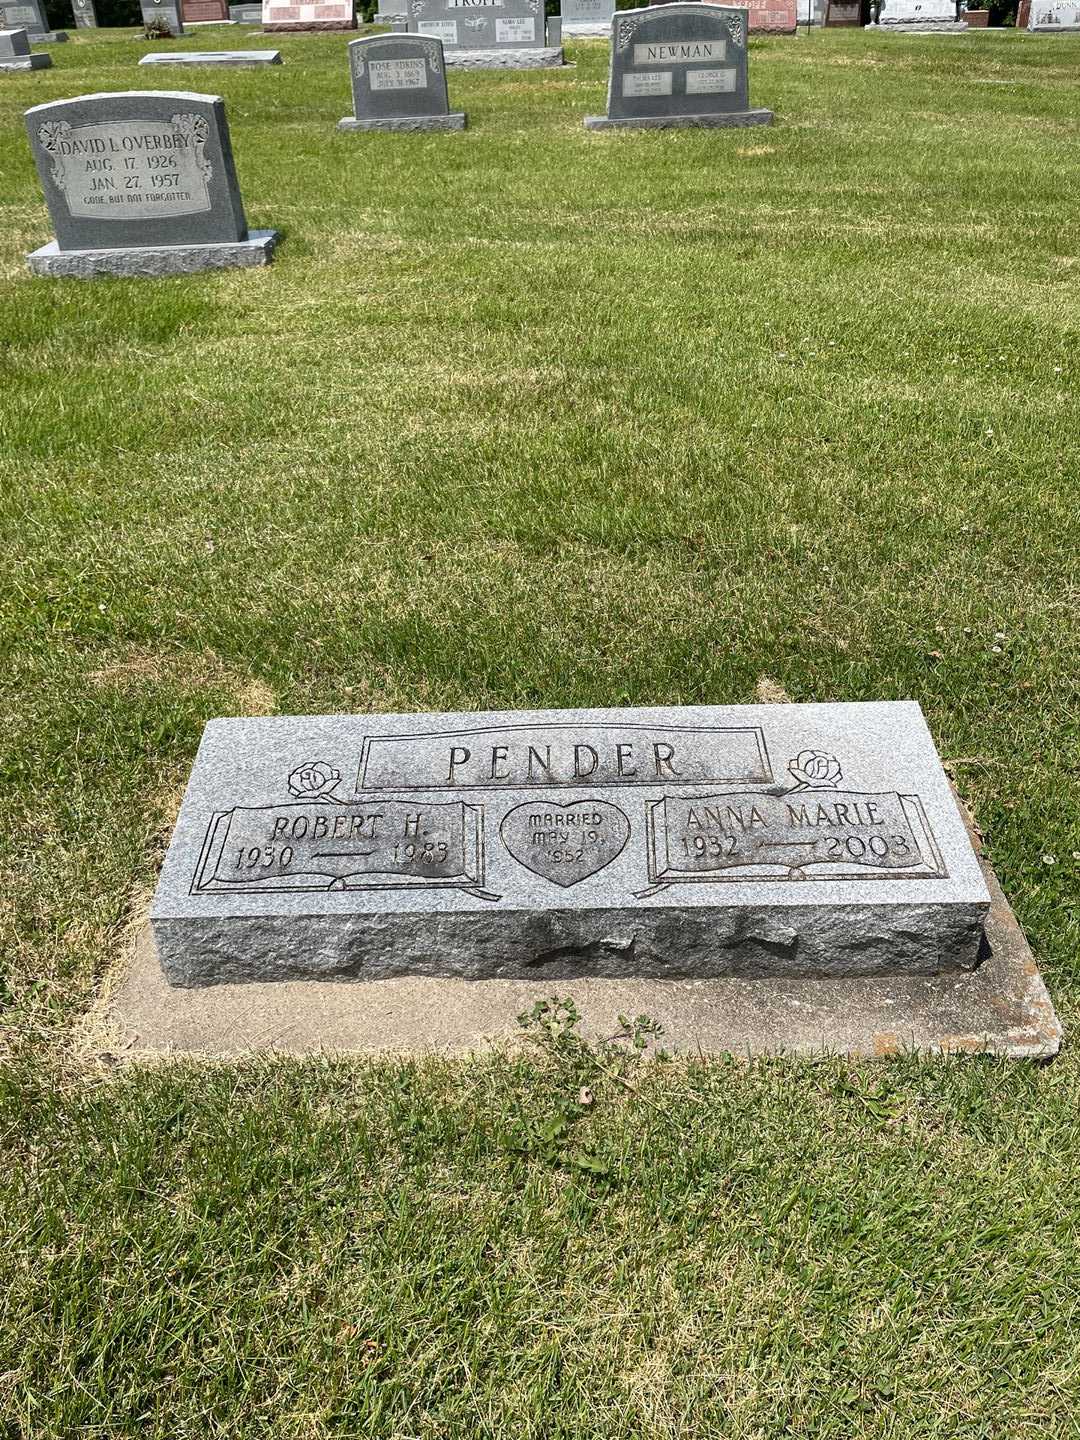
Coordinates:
x,y
487,34
15,53
678,65
802,840
85,14
29,15
140,183
241,59
399,83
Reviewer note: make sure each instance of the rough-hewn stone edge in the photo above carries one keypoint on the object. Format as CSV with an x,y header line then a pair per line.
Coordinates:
x,y
150,261
738,119
48,37
916,27
308,26
539,59
27,62
1002,1008
194,63
406,123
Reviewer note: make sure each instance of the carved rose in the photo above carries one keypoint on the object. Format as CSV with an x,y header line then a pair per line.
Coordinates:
x,y
816,769
313,779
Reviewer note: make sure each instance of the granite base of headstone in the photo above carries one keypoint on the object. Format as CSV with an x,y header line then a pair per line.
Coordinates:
x,y
241,59
678,65
797,840
140,183
15,52
543,58
399,84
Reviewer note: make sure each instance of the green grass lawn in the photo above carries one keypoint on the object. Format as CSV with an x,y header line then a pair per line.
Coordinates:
x,y
531,416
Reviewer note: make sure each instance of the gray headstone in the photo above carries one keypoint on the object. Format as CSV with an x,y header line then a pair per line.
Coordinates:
x,y
389,8
239,58
137,168
586,14
85,14
480,24
156,13
13,44
809,840
681,64
1050,15
918,15
15,52
399,83
246,14
29,15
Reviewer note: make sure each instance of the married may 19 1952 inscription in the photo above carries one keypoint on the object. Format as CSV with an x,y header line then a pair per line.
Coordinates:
x,y
809,839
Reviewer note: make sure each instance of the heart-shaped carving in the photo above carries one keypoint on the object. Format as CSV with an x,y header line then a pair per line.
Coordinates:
x,y
565,843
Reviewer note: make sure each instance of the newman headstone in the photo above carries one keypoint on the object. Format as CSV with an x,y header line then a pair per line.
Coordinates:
x,y
15,53
85,14
678,65
399,83
140,183
162,17
1053,15
29,15
486,34
797,840
284,15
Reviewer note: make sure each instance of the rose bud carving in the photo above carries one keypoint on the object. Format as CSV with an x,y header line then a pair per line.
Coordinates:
x,y
313,779
816,769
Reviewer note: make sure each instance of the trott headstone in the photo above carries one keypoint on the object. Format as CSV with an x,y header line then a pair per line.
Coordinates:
x,y
486,34
29,15
678,65
399,83
85,14
283,15
15,53
140,183
805,840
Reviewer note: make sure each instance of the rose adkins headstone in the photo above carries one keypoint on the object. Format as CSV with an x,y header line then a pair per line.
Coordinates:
x,y
678,65
281,15
15,52
158,13
486,34
29,15
810,840
140,183
399,83
85,14
1051,15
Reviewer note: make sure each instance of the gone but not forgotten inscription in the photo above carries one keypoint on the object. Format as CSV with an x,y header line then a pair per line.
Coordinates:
x,y
753,840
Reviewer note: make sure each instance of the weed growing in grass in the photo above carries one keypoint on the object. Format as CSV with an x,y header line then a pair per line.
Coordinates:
x,y
587,1071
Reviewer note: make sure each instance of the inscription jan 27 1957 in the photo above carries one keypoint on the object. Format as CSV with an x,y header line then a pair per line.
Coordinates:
x,y
484,831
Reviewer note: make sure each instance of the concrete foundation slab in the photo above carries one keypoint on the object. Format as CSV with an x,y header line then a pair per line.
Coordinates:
x,y
406,123
736,119
150,261
1001,1008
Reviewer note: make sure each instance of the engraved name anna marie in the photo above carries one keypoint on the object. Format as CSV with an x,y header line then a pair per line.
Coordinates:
x,y
802,828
